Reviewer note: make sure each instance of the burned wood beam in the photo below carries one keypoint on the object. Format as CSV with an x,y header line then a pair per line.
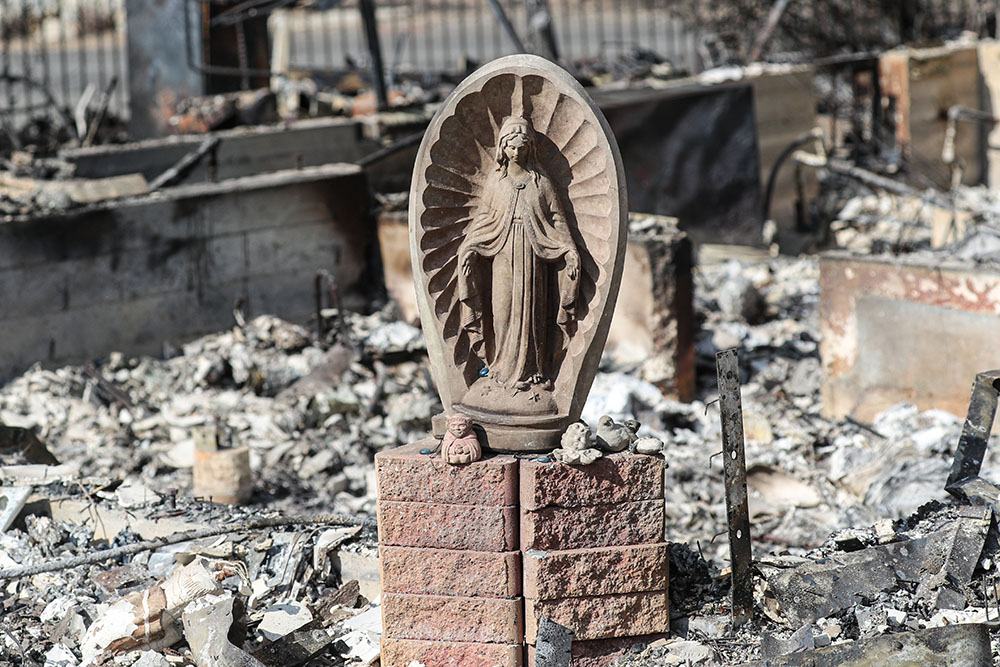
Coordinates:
x,y
735,467
185,164
976,432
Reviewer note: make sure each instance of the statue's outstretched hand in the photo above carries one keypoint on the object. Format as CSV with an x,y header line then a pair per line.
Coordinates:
x,y
572,264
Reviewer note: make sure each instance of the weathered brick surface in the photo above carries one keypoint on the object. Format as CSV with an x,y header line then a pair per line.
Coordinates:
x,y
603,571
452,619
471,527
450,572
404,474
556,528
402,652
603,616
602,652
612,479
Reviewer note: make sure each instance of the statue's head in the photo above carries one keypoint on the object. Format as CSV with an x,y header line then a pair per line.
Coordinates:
x,y
516,143
459,425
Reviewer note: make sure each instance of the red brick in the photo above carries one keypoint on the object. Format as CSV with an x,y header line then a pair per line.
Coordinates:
x,y
613,479
602,571
402,652
404,474
472,527
452,619
557,528
601,652
450,572
602,616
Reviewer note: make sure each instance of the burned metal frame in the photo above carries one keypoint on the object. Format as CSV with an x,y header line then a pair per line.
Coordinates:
x,y
975,435
735,467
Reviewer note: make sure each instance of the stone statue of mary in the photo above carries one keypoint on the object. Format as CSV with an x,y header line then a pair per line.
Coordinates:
x,y
519,268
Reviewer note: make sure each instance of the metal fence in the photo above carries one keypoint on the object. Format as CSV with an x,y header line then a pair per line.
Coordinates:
x,y
56,53
449,35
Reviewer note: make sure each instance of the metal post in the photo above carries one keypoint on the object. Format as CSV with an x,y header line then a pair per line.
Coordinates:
x,y
735,466
367,8
507,26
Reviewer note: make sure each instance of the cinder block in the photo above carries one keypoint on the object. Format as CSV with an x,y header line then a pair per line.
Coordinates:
x,y
450,572
613,479
602,616
621,524
452,619
403,652
653,324
404,474
898,329
602,652
471,527
603,571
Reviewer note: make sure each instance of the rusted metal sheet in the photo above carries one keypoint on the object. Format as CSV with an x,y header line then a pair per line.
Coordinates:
x,y
735,466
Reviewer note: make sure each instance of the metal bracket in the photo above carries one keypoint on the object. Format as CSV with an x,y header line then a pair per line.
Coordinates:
x,y
975,434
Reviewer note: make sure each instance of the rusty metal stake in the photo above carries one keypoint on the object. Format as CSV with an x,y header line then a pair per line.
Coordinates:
x,y
735,466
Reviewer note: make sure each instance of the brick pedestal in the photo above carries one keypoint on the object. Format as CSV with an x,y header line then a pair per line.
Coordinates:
x,y
472,557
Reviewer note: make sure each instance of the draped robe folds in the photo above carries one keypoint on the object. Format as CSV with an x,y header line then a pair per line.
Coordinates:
x,y
517,245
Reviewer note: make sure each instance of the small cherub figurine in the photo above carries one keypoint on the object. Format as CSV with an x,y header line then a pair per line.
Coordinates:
x,y
460,444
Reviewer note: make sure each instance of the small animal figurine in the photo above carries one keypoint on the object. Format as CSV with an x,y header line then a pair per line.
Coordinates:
x,y
612,437
576,447
460,444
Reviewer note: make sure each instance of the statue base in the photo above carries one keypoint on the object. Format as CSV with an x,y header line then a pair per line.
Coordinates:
x,y
500,432
473,556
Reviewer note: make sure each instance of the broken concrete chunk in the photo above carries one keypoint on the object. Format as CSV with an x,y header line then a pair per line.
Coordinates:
x,y
147,618
283,619
12,499
206,627
951,646
151,659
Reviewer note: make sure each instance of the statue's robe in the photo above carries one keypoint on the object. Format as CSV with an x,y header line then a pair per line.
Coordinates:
x,y
519,288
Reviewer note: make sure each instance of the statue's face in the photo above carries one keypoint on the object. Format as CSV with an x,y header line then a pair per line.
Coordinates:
x,y
516,148
459,426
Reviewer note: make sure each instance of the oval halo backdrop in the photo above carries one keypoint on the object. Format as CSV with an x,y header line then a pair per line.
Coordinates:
x,y
581,158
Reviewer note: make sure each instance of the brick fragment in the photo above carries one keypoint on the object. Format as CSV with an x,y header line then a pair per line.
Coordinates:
x,y
613,479
602,616
603,652
452,619
602,571
557,528
402,652
450,572
471,527
404,474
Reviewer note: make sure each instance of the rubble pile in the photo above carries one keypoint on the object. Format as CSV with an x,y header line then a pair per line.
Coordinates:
x,y
312,410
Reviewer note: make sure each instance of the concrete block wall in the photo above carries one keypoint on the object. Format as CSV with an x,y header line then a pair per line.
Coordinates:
x,y
130,274
901,329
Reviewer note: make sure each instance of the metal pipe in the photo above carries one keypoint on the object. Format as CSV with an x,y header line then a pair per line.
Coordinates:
x,y
367,8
